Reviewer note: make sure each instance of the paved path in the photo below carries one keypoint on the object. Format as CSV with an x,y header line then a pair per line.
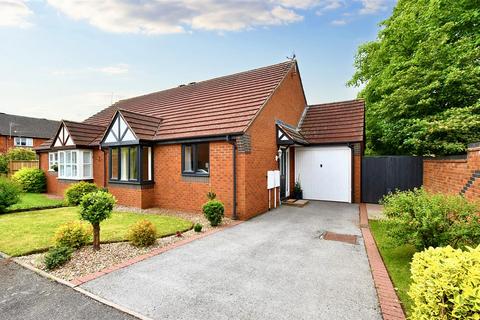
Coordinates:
x,y
24,295
271,267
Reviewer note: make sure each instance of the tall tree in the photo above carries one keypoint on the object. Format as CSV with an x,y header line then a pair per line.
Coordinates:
x,y
421,79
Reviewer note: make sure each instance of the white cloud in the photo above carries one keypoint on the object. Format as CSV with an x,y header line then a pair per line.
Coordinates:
x,y
373,6
339,22
14,13
117,69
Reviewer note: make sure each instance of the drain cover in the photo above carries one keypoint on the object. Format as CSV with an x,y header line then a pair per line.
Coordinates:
x,y
347,238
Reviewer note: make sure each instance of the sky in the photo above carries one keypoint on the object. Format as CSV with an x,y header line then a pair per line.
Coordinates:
x,y
68,59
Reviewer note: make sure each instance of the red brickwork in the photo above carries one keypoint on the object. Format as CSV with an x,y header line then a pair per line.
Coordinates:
x,y
287,104
451,176
357,178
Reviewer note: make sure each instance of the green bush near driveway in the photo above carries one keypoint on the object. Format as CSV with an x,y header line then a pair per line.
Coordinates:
x,y
35,201
142,234
26,232
57,256
426,219
74,234
213,211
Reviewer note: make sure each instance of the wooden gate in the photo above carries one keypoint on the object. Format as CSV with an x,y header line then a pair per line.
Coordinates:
x,y
384,174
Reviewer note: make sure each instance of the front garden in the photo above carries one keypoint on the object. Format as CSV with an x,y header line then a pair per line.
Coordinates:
x,y
427,243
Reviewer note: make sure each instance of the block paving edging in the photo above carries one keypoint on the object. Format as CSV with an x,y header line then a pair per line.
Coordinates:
x,y
387,297
92,276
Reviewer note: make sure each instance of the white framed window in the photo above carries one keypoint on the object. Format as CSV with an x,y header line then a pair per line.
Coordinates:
x,y
23,142
52,161
75,164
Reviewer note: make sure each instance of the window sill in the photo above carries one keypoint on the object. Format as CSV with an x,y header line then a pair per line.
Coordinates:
x,y
203,175
75,179
131,182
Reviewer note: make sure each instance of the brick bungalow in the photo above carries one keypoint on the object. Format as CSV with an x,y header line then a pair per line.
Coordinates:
x,y
169,148
24,132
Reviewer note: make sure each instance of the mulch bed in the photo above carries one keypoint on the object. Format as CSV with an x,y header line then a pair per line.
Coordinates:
x,y
86,261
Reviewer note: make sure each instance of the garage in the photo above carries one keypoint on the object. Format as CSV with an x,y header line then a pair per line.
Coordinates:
x,y
325,173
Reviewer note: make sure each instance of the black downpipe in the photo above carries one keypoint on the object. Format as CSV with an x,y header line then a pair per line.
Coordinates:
x,y
234,169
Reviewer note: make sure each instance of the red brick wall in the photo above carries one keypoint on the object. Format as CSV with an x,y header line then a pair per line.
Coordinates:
x,y
6,143
357,178
450,176
286,104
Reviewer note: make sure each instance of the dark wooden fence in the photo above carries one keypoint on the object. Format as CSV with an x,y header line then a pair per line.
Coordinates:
x,y
384,174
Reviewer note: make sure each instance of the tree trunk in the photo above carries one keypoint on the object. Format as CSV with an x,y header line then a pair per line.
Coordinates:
x,y
96,236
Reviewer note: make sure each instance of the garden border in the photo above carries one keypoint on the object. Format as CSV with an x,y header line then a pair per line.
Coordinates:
x,y
387,297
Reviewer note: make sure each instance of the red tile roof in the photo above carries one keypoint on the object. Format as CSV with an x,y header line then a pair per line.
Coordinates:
x,y
336,122
219,106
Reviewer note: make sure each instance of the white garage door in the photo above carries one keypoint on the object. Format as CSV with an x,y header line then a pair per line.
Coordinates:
x,y
325,173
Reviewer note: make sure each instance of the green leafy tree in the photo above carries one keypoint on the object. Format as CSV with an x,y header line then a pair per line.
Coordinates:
x,y
94,208
421,79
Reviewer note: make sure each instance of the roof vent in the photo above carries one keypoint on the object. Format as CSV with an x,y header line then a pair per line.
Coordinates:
x,y
182,85
192,83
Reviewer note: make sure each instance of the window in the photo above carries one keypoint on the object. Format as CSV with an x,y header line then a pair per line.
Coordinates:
x,y
196,159
23,142
131,164
52,161
75,164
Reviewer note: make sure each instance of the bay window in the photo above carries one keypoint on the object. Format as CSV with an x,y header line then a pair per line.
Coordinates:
x,y
131,164
75,164
196,159
53,161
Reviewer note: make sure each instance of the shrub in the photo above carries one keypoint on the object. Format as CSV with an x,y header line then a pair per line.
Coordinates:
x,y
446,284
142,234
197,227
213,211
57,256
94,208
21,154
74,193
3,163
31,179
73,235
424,219
9,193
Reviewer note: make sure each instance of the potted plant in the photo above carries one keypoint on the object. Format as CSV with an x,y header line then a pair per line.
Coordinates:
x,y
297,191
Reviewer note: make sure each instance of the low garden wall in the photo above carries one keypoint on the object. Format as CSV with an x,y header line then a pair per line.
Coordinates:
x,y
454,175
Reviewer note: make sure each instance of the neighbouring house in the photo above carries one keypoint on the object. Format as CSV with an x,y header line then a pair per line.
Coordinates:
x,y
169,148
24,132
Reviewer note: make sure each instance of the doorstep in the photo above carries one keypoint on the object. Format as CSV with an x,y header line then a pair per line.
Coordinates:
x,y
295,203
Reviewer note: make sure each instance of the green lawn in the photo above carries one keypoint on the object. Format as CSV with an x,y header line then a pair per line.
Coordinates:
x,y
26,232
396,258
35,200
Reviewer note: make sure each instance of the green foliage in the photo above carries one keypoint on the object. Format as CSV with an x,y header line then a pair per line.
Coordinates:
x,y
142,234
96,206
211,195
421,79
446,284
31,180
9,194
297,188
424,219
73,234
57,256
213,211
74,193
15,154
197,227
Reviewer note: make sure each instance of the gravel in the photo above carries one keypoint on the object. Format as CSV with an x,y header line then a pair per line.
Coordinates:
x,y
85,260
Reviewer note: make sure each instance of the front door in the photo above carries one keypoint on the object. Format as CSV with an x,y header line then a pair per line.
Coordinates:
x,y
283,164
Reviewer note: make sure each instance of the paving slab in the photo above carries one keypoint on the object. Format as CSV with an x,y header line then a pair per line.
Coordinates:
x,y
25,295
275,266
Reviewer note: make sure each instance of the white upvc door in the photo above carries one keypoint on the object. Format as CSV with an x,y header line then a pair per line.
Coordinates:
x,y
325,173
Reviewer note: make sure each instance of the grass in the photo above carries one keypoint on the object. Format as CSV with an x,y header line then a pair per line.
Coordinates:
x,y
30,201
32,231
397,260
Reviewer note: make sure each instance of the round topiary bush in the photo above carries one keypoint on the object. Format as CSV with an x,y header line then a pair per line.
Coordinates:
x,y
94,208
73,235
213,211
197,227
142,234
74,193
9,194
31,179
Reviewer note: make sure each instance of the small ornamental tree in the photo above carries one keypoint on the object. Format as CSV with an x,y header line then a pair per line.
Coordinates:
x,y
94,208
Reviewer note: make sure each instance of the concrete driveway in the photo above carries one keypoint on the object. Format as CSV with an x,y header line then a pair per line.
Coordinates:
x,y
274,266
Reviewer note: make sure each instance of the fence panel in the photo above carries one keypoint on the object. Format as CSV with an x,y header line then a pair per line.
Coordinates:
x,y
15,165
